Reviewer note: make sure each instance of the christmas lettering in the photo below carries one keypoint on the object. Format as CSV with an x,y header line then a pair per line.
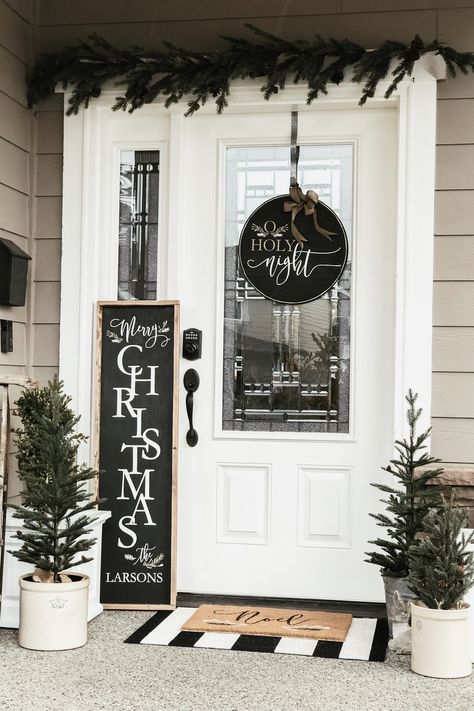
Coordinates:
x,y
128,328
299,262
135,478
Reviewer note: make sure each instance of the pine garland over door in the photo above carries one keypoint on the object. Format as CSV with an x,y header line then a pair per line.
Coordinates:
x,y
177,73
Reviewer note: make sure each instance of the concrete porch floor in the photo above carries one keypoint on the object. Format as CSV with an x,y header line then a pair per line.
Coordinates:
x,y
107,675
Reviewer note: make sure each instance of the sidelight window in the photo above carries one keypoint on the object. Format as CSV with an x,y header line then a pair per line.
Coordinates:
x,y
138,224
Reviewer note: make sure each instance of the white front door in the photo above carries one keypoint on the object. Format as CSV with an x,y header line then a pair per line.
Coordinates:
x,y
295,410
298,405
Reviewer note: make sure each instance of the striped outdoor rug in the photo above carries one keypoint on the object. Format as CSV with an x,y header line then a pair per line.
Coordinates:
x,y
366,640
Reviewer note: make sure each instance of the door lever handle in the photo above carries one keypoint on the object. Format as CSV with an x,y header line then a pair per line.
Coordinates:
x,y
191,384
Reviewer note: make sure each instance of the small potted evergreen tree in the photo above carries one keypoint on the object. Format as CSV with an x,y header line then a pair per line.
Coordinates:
x,y
55,499
407,504
441,571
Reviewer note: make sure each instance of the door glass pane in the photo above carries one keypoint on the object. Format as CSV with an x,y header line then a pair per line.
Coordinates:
x,y
138,224
286,368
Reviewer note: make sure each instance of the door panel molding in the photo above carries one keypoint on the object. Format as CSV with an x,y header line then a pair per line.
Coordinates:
x,y
324,506
243,503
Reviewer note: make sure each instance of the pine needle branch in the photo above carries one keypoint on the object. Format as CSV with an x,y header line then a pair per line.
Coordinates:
x,y
55,497
175,73
409,501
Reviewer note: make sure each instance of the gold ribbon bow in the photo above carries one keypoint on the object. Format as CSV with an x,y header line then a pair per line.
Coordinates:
x,y
300,201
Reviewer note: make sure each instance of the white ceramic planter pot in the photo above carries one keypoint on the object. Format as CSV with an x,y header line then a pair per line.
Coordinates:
x,y
440,642
53,616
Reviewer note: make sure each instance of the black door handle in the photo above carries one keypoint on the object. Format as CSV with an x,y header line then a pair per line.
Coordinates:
x,y
191,383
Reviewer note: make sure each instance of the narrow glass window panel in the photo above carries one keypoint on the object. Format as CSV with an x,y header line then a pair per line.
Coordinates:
x,y
286,367
138,225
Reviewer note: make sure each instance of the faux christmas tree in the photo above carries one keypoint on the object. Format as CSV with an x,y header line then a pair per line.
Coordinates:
x,y
407,502
55,495
441,569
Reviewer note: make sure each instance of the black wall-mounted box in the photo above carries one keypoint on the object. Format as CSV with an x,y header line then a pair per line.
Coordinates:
x,y
13,273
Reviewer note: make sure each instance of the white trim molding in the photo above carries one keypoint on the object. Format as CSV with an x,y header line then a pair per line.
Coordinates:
x,y
86,278
415,248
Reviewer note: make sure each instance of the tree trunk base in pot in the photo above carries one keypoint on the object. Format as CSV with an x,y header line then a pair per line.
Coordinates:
x,y
53,616
440,642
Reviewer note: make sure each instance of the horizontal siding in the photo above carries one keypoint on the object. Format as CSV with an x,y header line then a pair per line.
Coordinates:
x,y
23,8
14,167
454,212
14,207
50,131
45,345
44,374
453,302
15,174
13,76
14,32
46,309
455,167
48,218
455,121
47,272
48,260
387,5
460,88
9,369
16,315
206,34
453,349
456,27
50,175
57,12
453,440
454,258
15,121
453,395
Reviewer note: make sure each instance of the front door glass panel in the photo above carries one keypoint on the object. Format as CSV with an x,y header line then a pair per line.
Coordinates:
x,y
286,367
138,225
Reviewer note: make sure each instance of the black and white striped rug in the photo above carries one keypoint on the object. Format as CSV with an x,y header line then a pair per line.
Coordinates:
x,y
366,640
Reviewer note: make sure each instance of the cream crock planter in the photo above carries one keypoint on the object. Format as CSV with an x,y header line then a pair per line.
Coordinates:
x,y
13,569
53,616
469,597
440,644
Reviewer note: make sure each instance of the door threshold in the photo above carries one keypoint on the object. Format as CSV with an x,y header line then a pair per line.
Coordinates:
x,y
358,609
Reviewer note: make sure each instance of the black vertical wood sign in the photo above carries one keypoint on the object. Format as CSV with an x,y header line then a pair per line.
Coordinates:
x,y
137,451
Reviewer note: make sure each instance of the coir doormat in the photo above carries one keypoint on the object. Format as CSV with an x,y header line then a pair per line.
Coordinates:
x,y
366,640
269,622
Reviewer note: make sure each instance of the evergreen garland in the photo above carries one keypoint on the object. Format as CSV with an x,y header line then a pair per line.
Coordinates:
x,y
407,503
55,498
441,570
176,72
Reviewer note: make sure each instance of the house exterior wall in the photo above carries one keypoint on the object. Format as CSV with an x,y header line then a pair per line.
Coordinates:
x,y
16,162
198,26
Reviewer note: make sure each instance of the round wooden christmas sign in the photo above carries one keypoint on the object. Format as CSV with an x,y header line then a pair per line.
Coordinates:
x,y
293,248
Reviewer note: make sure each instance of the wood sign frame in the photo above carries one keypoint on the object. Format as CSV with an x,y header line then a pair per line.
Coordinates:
x,y
136,445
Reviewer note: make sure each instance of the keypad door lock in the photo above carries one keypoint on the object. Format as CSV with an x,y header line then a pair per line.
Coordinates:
x,y
192,344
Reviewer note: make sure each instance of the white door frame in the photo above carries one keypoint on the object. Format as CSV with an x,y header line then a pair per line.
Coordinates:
x,y
87,272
